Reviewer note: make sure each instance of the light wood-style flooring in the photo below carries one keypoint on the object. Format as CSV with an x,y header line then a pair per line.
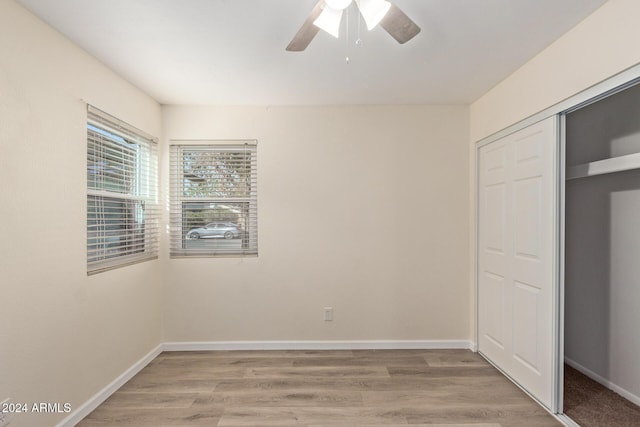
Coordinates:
x,y
320,389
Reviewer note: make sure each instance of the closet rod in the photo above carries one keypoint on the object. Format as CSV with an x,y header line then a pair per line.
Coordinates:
x,y
601,167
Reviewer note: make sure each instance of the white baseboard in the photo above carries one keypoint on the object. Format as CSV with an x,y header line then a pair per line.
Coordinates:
x,y
604,381
318,345
85,409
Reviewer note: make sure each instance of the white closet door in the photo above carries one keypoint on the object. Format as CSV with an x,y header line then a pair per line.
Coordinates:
x,y
516,255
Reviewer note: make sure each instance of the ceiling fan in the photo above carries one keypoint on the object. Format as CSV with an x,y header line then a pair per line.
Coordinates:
x,y
327,15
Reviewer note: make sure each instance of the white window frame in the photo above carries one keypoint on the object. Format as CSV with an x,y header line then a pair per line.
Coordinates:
x,y
245,201
122,201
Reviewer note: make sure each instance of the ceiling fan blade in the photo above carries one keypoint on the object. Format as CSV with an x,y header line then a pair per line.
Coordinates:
x,y
307,32
399,25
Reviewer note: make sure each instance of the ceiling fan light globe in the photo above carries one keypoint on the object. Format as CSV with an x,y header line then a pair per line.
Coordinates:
x,y
338,4
373,11
329,21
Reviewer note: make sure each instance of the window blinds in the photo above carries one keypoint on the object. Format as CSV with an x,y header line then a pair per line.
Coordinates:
x,y
122,205
213,200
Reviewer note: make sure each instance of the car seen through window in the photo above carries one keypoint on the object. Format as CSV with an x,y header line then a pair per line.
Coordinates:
x,y
221,230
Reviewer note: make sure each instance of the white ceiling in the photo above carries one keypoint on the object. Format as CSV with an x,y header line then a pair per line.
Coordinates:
x,y
233,51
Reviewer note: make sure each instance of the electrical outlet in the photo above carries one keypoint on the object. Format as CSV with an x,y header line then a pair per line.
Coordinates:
x,y
5,417
328,314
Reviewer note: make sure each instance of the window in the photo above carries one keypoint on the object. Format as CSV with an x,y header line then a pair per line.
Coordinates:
x,y
214,198
122,207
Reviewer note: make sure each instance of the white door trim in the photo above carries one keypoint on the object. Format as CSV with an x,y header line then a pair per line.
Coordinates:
x,y
611,85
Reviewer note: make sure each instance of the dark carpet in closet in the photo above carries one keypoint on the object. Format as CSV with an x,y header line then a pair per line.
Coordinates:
x,y
590,404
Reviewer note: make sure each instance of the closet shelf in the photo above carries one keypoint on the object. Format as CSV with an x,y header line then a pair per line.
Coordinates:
x,y
601,167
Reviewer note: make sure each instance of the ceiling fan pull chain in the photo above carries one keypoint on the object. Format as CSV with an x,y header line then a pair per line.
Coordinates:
x,y
358,39
347,35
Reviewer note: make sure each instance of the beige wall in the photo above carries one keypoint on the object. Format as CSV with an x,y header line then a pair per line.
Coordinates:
x,y
360,208
63,335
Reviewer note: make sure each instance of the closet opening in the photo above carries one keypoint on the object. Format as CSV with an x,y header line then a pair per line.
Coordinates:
x,y
601,381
